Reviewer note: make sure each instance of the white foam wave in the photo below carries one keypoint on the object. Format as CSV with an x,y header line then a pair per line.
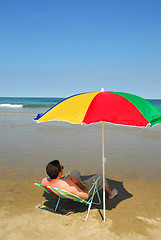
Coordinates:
x,y
8,105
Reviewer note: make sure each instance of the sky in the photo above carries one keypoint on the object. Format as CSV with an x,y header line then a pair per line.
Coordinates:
x,y
57,48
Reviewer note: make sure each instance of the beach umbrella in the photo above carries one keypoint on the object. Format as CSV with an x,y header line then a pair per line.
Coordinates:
x,y
112,107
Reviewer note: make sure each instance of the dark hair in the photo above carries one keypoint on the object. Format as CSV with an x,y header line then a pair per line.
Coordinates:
x,y
53,169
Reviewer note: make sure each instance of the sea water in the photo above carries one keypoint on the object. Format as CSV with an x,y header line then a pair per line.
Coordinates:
x,y
25,104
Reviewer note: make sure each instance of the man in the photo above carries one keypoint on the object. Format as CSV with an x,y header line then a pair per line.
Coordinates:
x,y
74,182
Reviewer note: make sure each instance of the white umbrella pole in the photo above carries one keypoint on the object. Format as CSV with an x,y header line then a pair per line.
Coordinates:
x,y
103,168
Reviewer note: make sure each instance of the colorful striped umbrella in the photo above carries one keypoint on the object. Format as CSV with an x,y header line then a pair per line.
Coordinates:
x,y
112,107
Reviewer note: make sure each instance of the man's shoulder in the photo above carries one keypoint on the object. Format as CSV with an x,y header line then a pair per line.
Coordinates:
x,y
44,181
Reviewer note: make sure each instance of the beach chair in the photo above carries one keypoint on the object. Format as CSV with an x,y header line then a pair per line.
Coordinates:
x,y
70,196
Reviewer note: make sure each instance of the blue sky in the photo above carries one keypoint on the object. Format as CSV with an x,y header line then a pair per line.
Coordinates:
x,y
52,48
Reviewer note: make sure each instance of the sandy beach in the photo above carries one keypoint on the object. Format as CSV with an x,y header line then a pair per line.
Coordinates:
x,y
133,166
83,62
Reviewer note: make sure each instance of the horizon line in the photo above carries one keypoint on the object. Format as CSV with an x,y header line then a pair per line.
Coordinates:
x,y
59,97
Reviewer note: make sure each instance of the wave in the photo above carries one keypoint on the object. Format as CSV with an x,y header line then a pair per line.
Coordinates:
x,y
13,103
37,105
8,105
17,113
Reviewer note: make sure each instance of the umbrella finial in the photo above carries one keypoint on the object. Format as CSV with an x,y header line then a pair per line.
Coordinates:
x,y
102,89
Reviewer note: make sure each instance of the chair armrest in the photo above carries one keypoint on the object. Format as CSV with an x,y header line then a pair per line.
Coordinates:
x,y
94,184
66,175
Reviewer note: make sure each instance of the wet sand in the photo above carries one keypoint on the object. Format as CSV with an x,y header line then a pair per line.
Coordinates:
x,y
133,166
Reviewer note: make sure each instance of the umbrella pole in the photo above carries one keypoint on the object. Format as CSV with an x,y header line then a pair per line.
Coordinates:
x,y
103,168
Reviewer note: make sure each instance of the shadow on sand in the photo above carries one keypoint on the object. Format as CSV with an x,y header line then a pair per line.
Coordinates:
x,y
69,207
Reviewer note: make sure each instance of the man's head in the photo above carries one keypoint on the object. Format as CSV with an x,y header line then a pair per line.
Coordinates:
x,y
53,169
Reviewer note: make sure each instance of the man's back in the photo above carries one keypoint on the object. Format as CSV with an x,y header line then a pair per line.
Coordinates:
x,y
67,185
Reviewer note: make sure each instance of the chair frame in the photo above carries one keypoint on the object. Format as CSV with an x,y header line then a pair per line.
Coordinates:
x,y
58,192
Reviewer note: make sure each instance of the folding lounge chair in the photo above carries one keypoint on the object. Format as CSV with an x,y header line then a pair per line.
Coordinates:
x,y
70,196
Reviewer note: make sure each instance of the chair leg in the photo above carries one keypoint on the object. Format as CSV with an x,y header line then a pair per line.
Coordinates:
x,y
98,196
89,207
95,190
57,204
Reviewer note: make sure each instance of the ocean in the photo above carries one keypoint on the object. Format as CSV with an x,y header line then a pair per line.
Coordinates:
x,y
26,146
28,102
32,104
26,105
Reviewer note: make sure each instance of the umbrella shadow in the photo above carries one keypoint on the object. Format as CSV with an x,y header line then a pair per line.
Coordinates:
x,y
70,207
123,194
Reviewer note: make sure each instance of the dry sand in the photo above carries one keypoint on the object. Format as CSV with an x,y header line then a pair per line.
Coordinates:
x,y
26,214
